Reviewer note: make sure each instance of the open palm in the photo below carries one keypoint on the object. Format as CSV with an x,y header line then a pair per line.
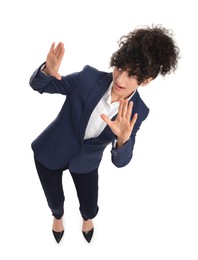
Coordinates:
x,y
122,126
54,59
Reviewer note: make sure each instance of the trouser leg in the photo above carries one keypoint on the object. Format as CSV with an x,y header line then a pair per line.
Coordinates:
x,y
87,191
51,182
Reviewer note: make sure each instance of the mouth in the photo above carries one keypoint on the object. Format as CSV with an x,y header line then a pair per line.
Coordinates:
x,y
118,87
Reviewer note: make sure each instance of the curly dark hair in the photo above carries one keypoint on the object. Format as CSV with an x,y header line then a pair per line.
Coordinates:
x,y
147,52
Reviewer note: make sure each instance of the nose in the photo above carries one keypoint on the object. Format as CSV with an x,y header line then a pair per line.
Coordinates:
x,y
121,76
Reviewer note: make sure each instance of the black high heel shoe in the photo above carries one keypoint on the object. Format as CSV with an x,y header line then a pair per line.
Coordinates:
x,y
88,235
58,235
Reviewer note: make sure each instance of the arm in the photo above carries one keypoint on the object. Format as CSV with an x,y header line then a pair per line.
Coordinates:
x,y
49,80
49,84
125,128
123,155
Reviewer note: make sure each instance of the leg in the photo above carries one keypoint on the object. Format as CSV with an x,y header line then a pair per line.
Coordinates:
x,y
51,182
87,191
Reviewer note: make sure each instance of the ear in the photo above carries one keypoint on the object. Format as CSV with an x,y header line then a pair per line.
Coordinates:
x,y
146,82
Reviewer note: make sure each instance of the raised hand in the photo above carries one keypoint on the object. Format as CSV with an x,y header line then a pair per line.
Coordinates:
x,y
122,126
54,59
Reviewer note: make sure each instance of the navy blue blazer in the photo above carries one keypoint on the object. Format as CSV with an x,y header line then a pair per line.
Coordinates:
x,y
62,143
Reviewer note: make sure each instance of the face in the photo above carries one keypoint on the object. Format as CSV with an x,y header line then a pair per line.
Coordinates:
x,y
124,84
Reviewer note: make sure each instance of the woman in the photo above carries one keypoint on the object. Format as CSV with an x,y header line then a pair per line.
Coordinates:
x,y
100,108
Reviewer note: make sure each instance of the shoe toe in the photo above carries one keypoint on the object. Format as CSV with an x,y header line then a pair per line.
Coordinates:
x,y
88,235
58,235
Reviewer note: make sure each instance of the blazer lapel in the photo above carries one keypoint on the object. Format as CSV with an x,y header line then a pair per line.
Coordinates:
x,y
93,99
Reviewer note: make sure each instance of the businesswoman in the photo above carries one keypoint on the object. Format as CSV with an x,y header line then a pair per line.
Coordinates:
x,y
100,109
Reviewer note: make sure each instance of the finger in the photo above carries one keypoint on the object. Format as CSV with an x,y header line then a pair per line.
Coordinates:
x,y
58,48
134,119
58,45
129,111
52,47
125,108
120,109
106,119
61,54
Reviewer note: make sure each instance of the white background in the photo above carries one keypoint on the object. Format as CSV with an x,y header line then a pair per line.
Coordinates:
x,y
148,210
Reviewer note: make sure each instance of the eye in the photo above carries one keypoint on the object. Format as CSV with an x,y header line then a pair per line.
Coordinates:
x,y
131,76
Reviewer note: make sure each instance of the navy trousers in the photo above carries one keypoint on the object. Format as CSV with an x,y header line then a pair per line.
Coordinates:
x,y
86,185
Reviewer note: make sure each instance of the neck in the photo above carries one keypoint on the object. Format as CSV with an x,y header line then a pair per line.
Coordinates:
x,y
115,98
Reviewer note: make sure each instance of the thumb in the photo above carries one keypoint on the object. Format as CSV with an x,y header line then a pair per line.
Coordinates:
x,y
106,119
57,75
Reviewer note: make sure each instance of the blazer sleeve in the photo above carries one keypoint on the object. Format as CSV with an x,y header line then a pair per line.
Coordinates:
x,y
48,84
123,155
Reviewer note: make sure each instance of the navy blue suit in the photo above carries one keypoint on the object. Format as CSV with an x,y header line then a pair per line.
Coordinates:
x,y
62,142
